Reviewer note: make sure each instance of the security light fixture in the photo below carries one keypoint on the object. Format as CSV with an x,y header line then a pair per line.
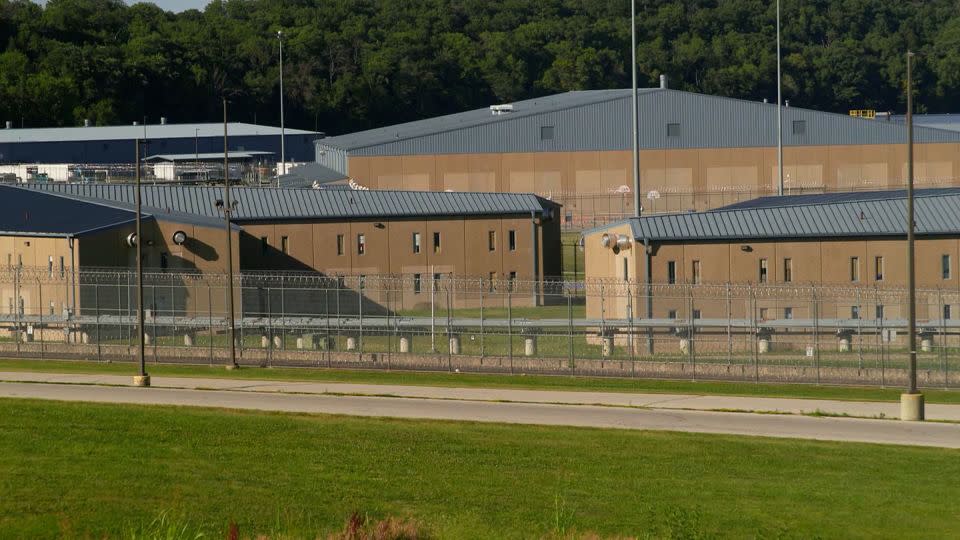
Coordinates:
x,y
179,238
746,248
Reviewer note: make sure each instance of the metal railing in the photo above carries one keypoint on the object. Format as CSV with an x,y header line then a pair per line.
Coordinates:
x,y
802,333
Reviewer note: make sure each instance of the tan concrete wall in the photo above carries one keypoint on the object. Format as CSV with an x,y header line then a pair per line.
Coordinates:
x,y
40,258
700,178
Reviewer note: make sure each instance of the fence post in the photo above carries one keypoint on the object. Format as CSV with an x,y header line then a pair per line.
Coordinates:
x,y
816,331
210,318
153,315
283,317
40,311
860,331
510,324
16,306
360,284
693,333
729,330
96,307
753,337
942,338
449,330
482,349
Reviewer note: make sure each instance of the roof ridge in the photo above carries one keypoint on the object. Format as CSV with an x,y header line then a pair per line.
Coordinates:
x,y
921,193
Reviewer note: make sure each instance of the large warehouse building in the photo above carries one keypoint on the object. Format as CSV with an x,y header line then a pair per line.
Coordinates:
x,y
115,144
697,152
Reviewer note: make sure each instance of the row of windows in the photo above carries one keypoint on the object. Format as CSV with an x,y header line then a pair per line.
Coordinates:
x,y
788,312
418,282
763,271
362,243
673,130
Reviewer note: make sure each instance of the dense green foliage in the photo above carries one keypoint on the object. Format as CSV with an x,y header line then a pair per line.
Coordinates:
x,y
80,470
361,63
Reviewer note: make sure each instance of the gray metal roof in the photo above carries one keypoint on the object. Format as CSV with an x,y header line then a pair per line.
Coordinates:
x,y
267,204
847,196
307,175
131,132
207,156
600,120
937,213
30,213
938,121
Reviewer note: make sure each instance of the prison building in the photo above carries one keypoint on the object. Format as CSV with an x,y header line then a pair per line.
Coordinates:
x,y
697,152
103,145
684,266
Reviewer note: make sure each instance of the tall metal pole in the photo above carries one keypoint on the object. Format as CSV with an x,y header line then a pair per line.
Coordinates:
x,y
227,211
283,139
911,403
142,378
635,98
779,112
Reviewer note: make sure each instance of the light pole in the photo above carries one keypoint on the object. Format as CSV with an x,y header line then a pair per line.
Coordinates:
x,y
636,120
779,113
142,378
227,211
283,139
911,403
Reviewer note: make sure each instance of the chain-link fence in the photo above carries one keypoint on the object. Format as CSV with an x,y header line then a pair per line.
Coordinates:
x,y
838,335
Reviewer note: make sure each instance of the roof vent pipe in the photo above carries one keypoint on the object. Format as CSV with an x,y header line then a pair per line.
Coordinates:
x,y
786,103
663,81
136,123
497,110
163,120
9,124
765,100
86,122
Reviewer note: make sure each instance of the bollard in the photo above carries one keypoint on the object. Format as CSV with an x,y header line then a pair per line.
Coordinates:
x,y
351,343
763,345
85,338
607,346
187,340
404,343
300,343
685,345
530,345
277,342
264,342
926,343
454,344
146,338
844,343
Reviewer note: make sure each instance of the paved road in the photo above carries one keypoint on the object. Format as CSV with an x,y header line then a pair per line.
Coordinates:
x,y
617,399
833,429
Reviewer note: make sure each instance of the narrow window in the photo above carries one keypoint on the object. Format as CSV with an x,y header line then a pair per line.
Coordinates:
x,y
946,312
436,282
164,262
763,270
52,308
546,133
787,270
493,279
264,245
854,269
945,266
696,272
512,240
672,314
50,266
879,312
9,260
285,245
361,244
626,270
696,314
763,314
788,313
513,277
854,312
416,242
673,130
339,244
63,267
362,281
341,282
878,264
491,240
671,272
416,284
799,127
436,242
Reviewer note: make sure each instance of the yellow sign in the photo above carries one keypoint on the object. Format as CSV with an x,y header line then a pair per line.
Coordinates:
x,y
869,114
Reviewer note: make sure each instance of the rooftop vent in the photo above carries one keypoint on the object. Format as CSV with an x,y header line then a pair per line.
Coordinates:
x,y
163,120
663,81
9,125
497,110
86,122
136,123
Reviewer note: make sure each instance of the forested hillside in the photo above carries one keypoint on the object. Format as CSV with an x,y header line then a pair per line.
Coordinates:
x,y
352,64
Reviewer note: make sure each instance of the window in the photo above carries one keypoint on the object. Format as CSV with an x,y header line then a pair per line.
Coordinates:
x,y
696,272
945,266
285,244
946,312
264,245
763,314
626,269
9,260
879,311
854,269
11,305
673,130
763,270
436,242
164,262
362,281
416,284
50,266
696,314
416,242
878,266
52,308
341,282
513,277
512,240
672,314
361,244
339,244
799,127
788,313
493,279
546,133
20,260
436,282
63,267
854,312
492,240
787,270
671,272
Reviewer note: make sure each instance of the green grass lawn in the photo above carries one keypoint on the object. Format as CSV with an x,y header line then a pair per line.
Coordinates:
x,y
470,380
91,470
